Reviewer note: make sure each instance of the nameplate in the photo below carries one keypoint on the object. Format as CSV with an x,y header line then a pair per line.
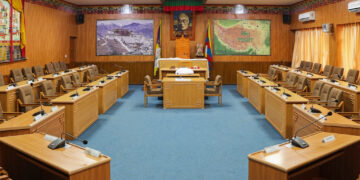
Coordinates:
x,y
284,96
73,70
92,152
328,139
55,108
309,75
38,117
55,75
75,97
322,118
303,106
182,79
118,74
337,83
29,82
10,87
284,68
40,79
62,73
324,80
271,149
353,87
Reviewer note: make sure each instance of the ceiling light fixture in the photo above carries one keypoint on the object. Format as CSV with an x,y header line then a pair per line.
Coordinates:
x,y
240,9
126,9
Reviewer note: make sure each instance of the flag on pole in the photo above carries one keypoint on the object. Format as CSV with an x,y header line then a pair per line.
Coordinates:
x,y
157,50
208,52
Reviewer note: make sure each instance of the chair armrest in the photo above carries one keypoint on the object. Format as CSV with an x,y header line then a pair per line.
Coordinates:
x,y
304,93
12,113
312,97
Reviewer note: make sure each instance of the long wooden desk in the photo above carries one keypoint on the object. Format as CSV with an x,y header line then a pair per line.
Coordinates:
x,y
164,71
122,82
107,93
55,78
183,94
279,110
242,82
334,123
8,96
81,112
257,93
351,97
28,157
339,159
52,123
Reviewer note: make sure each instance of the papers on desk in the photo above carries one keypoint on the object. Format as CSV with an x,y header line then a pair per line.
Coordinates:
x,y
73,70
40,79
337,83
271,149
284,96
10,87
183,79
29,82
74,97
55,75
62,73
325,80
353,87
39,117
322,118
55,108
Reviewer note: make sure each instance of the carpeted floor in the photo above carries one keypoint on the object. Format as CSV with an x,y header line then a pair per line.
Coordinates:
x,y
178,144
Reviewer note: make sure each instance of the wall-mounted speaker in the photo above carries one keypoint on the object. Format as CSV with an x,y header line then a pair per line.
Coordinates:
x,y
80,19
286,19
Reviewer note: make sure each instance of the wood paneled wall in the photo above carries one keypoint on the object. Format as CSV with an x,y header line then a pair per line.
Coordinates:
x,y
48,34
281,44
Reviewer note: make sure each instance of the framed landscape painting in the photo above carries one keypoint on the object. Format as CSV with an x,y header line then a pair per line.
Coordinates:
x,y
242,37
124,37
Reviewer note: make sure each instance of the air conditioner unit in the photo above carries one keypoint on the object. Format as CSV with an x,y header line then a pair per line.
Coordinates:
x,y
328,28
354,6
308,16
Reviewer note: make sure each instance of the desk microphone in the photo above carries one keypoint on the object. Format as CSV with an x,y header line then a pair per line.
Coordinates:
x,y
42,112
75,94
286,94
352,85
297,141
256,76
60,142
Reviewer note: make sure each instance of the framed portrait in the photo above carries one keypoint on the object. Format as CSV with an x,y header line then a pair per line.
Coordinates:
x,y
182,23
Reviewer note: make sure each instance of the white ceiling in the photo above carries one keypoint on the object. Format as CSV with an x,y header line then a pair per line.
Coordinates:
x,y
115,2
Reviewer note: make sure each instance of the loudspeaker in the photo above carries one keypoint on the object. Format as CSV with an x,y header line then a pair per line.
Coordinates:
x,y
80,19
286,19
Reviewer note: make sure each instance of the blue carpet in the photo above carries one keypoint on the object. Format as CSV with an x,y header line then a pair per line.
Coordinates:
x,y
179,144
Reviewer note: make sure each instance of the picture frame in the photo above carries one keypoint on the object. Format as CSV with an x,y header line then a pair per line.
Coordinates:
x,y
186,27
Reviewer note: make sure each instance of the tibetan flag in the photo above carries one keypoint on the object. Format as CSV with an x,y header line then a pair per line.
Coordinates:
x,y
208,53
157,50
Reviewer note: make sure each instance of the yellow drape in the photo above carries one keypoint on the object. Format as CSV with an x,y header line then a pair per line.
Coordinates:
x,y
348,47
311,45
17,5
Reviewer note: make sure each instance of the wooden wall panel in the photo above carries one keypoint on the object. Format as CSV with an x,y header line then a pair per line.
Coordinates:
x,y
48,34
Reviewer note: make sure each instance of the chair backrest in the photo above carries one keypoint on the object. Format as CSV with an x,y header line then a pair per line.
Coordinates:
x,y
302,65
301,84
56,66
325,91
328,70
148,83
89,74
47,88
316,68
308,66
1,112
2,82
96,70
28,73
337,73
66,82
17,75
293,79
26,96
217,81
352,76
49,68
76,78
62,65
38,71
335,94
317,88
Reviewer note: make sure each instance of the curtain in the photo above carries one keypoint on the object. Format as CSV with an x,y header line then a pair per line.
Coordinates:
x,y
18,5
348,47
311,45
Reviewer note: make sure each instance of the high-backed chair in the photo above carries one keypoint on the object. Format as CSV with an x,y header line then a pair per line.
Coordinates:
x,y
48,91
324,94
215,89
76,79
66,84
7,115
352,76
150,90
26,100
96,72
56,66
2,82
302,65
62,65
328,69
315,91
89,75
337,73
335,100
308,66
316,68
291,80
301,85
49,68
273,74
16,75
28,73
38,71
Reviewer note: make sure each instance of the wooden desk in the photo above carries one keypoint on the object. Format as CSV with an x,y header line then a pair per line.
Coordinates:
x,y
122,82
183,94
334,123
107,93
279,111
339,159
257,93
56,78
81,112
53,123
28,157
8,96
184,76
351,97
164,71
242,82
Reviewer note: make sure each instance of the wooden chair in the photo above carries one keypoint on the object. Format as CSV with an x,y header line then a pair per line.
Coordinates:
x,y
315,92
302,65
301,85
66,84
273,74
335,100
324,94
76,80
89,75
57,67
337,73
328,71
316,68
291,80
16,75
4,116
352,76
26,100
3,174
2,82
28,73
97,74
308,66
49,68
48,91
63,66
215,88
38,71
150,91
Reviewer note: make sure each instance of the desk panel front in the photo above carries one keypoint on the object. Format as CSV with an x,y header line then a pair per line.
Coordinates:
x,y
107,93
257,92
242,82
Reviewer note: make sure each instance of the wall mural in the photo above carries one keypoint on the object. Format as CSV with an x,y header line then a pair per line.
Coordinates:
x,y
242,37
124,37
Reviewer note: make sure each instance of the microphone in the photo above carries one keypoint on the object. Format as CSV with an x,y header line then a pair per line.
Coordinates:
x,y
42,112
87,88
286,94
75,94
297,141
256,76
60,142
